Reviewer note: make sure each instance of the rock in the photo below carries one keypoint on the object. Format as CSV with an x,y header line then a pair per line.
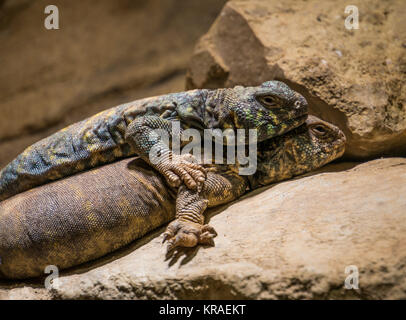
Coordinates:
x,y
353,78
103,54
292,240
25,293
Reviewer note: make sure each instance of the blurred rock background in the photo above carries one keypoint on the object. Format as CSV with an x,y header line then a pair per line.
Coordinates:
x,y
105,53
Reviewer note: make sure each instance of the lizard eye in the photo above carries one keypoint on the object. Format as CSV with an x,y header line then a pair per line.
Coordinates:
x,y
268,101
319,130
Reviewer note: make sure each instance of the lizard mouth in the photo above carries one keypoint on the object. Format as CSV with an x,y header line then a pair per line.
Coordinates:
x,y
341,141
302,112
300,119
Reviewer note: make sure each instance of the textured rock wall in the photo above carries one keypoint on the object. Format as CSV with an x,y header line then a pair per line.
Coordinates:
x,y
353,78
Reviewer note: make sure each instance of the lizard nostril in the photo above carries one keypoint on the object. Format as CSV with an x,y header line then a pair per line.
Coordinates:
x,y
298,104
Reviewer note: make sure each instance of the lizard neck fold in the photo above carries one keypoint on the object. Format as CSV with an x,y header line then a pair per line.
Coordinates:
x,y
216,112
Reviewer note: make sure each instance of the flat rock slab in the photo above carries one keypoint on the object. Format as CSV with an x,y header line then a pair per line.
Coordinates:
x,y
292,240
352,78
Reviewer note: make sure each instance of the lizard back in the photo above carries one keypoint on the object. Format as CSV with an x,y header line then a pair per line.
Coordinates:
x,y
83,145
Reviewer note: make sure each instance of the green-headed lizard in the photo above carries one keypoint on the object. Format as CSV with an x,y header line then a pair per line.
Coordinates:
x,y
130,129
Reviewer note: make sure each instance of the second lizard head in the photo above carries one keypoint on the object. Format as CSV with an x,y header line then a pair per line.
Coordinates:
x,y
301,150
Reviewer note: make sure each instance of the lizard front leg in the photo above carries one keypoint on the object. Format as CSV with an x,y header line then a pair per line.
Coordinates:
x,y
188,229
143,135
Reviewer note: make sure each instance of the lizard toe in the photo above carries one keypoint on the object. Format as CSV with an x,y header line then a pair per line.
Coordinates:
x,y
188,234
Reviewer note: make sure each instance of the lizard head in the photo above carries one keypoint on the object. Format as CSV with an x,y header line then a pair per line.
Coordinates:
x,y
272,108
306,148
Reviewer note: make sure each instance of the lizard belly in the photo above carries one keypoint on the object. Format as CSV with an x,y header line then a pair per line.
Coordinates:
x,y
81,217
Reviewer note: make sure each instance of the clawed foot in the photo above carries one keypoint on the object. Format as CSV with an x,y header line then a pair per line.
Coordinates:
x,y
188,234
184,168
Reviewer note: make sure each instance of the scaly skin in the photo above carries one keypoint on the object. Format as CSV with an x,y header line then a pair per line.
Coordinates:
x,y
124,131
85,216
299,151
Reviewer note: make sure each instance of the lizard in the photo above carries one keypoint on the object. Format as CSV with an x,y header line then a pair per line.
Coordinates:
x,y
85,216
129,129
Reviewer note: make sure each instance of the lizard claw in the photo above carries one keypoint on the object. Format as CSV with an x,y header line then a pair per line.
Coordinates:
x,y
184,168
188,234
166,237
